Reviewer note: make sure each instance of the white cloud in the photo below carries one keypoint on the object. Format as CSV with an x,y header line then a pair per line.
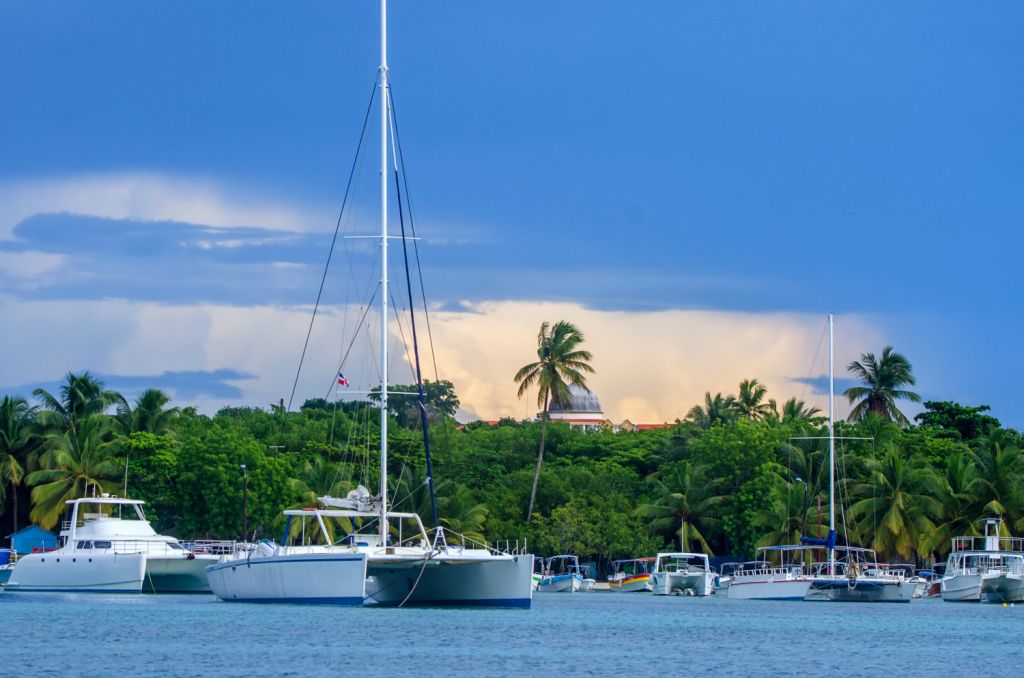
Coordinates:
x,y
651,366
153,197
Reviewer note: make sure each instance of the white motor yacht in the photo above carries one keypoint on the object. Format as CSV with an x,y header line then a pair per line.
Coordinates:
x,y
108,545
985,569
682,573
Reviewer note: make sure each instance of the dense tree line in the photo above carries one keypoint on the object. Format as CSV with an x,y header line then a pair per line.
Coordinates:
x,y
738,472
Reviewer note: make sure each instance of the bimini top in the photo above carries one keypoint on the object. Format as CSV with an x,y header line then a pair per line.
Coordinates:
x,y
114,501
582,401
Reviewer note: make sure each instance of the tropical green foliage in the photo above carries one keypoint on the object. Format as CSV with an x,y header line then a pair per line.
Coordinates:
x,y
739,473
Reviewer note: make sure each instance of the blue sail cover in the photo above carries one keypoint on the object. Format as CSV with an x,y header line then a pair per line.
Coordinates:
x,y
829,542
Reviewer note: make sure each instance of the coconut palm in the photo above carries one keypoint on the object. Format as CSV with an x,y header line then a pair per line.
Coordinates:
x,y
787,516
750,401
315,478
793,411
1000,487
958,494
717,409
81,396
685,497
76,463
17,439
896,505
883,378
560,362
149,415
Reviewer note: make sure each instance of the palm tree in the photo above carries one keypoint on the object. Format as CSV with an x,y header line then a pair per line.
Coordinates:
x,y
896,505
1000,486
560,362
958,495
793,411
149,414
686,498
750,401
786,519
81,395
76,462
17,440
716,410
318,477
882,378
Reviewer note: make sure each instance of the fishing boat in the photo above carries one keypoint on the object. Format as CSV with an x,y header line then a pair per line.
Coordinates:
x,y
989,568
561,575
762,580
405,564
682,574
856,577
108,545
631,575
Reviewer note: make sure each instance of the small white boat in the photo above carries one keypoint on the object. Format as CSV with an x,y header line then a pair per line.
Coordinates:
x,y
985,569
682,574
761,580
631,575
108,545
561,574
7,558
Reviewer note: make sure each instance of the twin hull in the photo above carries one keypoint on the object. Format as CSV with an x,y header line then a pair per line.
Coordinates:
x,y
354,579
861,590
692,583
990,588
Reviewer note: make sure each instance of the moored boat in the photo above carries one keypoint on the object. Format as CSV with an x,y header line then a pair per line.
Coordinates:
x,y
561,574
682,574
988,568
762,580
108,545
631,575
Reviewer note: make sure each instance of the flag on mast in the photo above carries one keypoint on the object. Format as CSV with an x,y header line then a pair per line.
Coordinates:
x,y
342,381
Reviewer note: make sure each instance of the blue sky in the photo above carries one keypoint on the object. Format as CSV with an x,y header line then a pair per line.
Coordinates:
x,y
740,157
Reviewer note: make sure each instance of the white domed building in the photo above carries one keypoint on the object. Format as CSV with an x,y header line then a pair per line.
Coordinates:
x,y
583,411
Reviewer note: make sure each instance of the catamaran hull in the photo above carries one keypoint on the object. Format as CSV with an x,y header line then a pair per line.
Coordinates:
x,y
676,583
563,583
57,572
178,574
308,578
860,591
768,589
973,588
450,581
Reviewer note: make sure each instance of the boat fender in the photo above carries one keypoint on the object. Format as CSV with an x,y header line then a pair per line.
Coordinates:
x,y
190,556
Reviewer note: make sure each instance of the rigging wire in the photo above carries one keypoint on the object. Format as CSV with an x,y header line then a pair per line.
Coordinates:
x,y
416,349
412,228
330,253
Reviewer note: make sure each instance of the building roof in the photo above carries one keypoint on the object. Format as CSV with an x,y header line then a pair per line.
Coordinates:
x,y
582,401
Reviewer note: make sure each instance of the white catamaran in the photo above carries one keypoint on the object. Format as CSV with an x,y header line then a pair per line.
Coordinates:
x,y
391,559
109,546
857,577
985,569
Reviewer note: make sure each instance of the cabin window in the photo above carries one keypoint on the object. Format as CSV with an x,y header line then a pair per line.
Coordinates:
x,y
176,546
102,544
84,544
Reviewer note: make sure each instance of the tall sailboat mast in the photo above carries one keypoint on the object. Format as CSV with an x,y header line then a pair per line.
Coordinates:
x,y
831,453
384,106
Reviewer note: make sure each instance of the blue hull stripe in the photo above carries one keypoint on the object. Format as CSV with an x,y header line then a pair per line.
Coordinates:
x,y
354,601
29,589
523,603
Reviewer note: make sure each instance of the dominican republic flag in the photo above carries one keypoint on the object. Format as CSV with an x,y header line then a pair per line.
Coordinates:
x,y
342,381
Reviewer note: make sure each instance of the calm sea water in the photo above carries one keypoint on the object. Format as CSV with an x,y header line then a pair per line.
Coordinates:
x,y
596,633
